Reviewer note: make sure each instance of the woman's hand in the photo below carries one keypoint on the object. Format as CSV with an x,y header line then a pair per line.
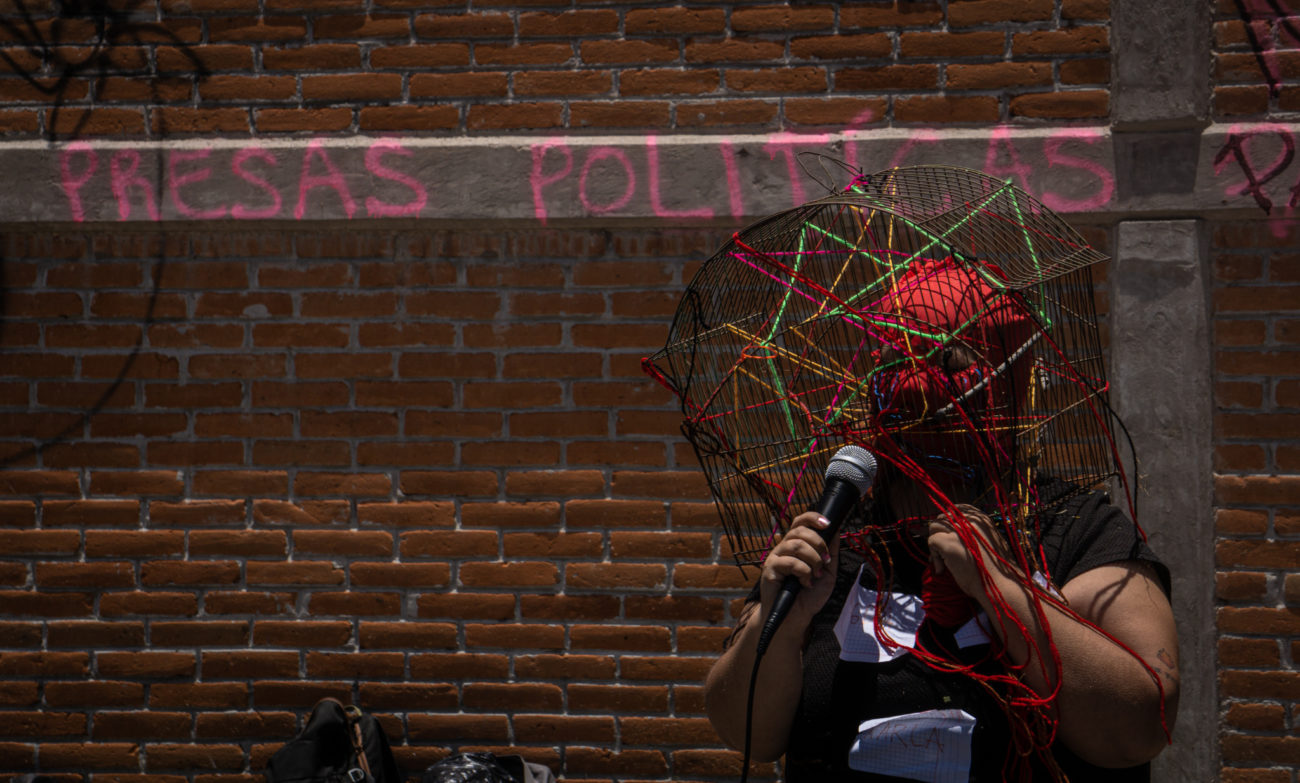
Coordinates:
x,y
948,552
803,554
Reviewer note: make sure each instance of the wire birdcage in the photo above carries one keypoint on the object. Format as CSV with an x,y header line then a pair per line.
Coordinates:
x,y
788,341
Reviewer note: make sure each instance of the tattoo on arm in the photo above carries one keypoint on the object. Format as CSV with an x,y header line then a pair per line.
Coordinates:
x,y
1168,667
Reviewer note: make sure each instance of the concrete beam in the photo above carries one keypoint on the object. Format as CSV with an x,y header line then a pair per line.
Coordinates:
x,y
1160,360
674,179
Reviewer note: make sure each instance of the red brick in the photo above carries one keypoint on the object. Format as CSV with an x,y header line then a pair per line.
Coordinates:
x,y
98,755
459,666
407,514
295,573
302,633
618,114
951,45
463,25
446,365
407,635
94,694
170,572
1260,620
169,119
628,52
359,26
439,55
354,543
458,728
315,57
1241,586
345,484
152,603
549,545
567,666
842,47
942,108
511,454
1074,40
662,732
232,305
568,607
620,637
583,23
198,634
466,606
69,121
304,453
240,483
191,513
458,85
563,729
556,83
244,28
298,694
669,82
358,666
422,334
1062,105
712,577
39,482
730,112
674,20
150,725
511,394
319,512
968,13
604,576
237,542
1085,71
647,763
104,543
831,111
144,665
249,664
244,725
217,603
515,574
491,696
441,544
732,50
106,575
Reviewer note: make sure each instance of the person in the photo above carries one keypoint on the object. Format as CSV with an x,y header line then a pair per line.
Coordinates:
x,y
950,638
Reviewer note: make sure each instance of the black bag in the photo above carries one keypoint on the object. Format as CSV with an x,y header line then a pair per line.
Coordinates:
x,y
338,745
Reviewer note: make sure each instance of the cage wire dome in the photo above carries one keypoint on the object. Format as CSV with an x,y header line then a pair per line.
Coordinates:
x,y
937,316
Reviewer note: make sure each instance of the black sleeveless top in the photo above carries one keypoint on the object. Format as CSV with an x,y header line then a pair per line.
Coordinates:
x,y
1084,533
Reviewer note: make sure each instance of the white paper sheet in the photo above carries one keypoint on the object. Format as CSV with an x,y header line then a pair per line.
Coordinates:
x,y
972,632
856,630
932,746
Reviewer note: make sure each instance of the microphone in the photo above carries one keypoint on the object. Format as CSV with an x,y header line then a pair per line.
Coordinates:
x,y
849,475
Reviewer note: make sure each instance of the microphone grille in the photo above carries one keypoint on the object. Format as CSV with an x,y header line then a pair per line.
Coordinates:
x,y
855,465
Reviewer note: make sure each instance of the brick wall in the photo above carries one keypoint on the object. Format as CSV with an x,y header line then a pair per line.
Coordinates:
x,y
236,67
417,470
1256,48
1257,460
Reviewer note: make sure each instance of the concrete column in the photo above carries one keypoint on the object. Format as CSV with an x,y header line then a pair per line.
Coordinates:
x,y
1160,56
1160,365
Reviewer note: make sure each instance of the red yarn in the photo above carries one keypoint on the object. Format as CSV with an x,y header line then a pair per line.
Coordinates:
x,y
944,601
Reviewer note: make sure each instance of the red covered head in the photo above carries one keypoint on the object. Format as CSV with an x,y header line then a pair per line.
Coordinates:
x,y
951,370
